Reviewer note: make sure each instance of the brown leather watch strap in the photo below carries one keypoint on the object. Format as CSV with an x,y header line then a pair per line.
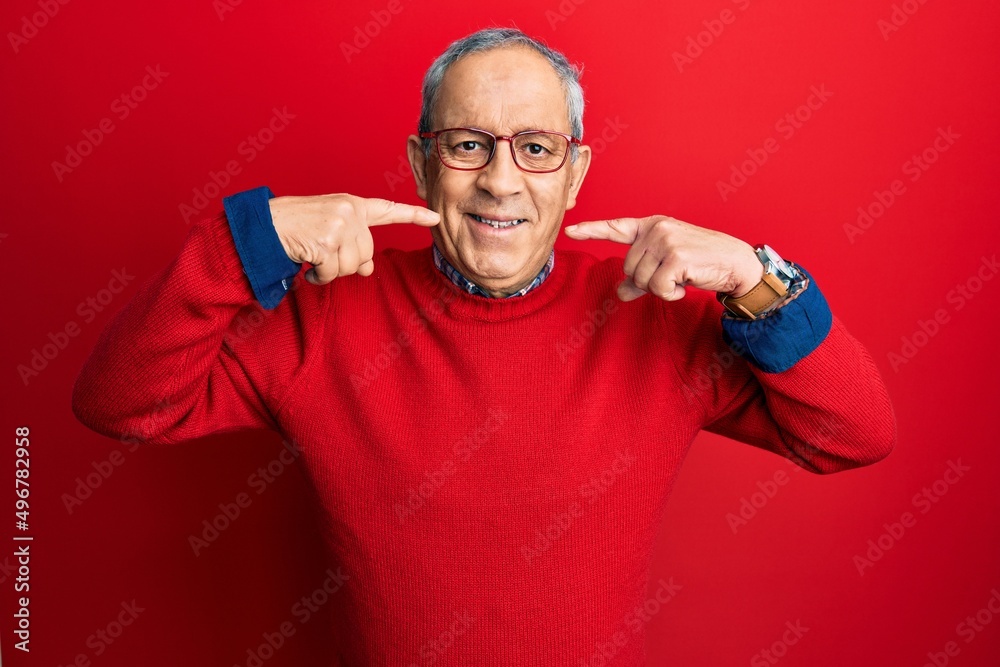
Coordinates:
x,y
763,295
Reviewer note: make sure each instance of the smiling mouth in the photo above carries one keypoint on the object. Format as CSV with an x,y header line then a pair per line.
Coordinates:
x,y
497,224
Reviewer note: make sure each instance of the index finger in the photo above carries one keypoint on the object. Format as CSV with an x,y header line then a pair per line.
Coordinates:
x,y
619,230
385,212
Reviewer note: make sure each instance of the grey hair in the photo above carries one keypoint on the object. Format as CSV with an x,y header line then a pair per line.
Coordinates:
x,y
493,38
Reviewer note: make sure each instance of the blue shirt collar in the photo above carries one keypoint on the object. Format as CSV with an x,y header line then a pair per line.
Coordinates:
x,y
472,288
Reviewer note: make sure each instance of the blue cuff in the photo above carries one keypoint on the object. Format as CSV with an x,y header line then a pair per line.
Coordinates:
x,y
264,258
775,341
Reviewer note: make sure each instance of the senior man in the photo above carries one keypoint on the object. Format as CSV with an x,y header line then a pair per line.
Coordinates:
x,y
492,427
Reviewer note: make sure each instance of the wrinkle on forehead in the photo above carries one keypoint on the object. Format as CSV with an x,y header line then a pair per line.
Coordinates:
x,y
504,91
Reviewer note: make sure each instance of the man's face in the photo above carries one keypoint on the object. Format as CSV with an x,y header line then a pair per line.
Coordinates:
x,y
505,90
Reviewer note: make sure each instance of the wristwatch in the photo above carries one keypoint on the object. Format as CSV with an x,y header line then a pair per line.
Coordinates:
x,y
778,276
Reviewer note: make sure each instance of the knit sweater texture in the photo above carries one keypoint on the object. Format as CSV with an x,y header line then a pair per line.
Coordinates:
x,y
492,472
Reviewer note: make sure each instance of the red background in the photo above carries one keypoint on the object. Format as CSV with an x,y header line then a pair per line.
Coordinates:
x,y
680,132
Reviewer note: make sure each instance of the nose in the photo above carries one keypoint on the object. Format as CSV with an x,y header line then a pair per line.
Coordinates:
x,y
501,177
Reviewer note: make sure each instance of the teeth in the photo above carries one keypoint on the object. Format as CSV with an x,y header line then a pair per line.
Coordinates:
x,y
497,224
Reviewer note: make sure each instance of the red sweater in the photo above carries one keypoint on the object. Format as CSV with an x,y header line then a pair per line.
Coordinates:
x,y
493,471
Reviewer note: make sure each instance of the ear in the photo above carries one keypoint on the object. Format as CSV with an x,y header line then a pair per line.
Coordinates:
x,y
578,172
418,163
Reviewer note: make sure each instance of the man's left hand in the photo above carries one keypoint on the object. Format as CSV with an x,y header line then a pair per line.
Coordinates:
x,y
668,254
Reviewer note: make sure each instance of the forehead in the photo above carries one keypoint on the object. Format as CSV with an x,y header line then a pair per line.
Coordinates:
x,y
503,90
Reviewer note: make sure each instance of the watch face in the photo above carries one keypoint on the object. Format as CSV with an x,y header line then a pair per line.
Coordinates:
x,y
767,254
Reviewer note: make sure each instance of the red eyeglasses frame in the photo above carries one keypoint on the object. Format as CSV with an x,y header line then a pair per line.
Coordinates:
x,y
570,139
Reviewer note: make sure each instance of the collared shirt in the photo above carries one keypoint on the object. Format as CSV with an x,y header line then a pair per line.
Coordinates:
x,y
472,288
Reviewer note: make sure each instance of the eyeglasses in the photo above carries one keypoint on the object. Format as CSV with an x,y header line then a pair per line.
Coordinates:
x,y
534,151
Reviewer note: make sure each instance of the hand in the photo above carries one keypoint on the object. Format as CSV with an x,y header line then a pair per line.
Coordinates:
x,y
668,254
331,231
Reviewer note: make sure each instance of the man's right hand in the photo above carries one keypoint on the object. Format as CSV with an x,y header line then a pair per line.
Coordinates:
x,y
331,231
